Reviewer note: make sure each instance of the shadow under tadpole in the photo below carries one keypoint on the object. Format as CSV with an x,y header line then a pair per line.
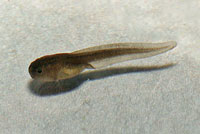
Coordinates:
x,y
63,86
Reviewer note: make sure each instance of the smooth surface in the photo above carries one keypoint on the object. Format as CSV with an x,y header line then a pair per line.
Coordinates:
x,y
121,100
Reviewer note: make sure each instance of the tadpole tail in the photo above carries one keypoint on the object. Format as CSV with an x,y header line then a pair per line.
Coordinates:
x,y
104,55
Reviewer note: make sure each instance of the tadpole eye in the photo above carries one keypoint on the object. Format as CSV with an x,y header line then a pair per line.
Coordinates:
x,y
39,70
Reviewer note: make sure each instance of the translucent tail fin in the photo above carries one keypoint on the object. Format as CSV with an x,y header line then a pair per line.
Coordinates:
x,y
119,52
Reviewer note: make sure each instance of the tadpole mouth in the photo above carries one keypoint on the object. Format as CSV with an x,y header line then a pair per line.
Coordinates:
x,y
31,71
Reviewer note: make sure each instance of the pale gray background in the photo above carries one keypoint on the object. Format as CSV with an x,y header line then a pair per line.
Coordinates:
x,y
124,100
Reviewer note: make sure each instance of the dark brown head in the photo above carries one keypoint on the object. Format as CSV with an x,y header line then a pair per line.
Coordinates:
x,y
44,69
